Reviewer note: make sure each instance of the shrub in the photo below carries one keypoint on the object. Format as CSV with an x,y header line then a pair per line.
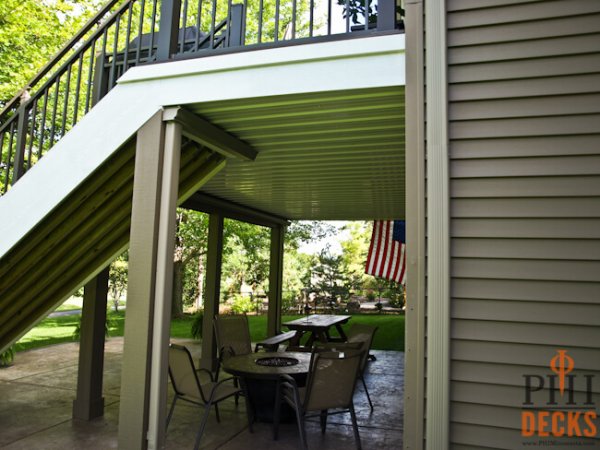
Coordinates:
x,y
197,323
241,304
7,357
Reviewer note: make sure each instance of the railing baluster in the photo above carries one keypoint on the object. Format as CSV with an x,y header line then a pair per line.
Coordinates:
x,y
113,66
127,38
88,92
347,16
277,20
33,131
2,165
260,20
212,23
54,111
182,27
43,122
329,17
198,26
9,158
152,27
294,12
66,102
138,50
78,89
311,23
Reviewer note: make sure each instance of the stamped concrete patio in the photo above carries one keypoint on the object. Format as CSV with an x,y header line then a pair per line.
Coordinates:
x,y
37,392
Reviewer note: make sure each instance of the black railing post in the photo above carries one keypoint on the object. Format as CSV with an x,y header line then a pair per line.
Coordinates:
x,y
236,22
19,161
169,29
386,15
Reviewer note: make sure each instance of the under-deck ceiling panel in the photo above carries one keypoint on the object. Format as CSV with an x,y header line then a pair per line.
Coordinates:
x,y
328,155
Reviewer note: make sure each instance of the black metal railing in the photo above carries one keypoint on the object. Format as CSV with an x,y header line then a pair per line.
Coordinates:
x,y
128,33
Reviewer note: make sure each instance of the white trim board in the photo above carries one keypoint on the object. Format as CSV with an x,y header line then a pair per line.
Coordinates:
x,y
341,65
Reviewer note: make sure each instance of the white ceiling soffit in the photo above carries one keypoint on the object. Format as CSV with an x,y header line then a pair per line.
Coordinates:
x,y
336,155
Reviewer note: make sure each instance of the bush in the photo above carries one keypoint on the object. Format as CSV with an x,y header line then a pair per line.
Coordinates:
x,y
7,357
197,324
241,304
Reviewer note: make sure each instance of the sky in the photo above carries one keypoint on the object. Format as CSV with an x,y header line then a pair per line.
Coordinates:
x,y
315,247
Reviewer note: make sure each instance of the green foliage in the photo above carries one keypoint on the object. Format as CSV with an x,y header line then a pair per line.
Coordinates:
x,y
77,331
331,283
197,324
117,279
242,304
31,32
7,357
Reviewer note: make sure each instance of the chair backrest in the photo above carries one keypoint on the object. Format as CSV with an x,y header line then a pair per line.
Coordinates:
x,y
331,379
364,334
233,335
183,373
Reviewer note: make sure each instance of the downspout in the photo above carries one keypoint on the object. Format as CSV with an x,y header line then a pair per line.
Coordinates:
x,y
414,372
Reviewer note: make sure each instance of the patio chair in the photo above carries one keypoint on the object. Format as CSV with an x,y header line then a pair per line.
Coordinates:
x,y
187,387
363,334
331,381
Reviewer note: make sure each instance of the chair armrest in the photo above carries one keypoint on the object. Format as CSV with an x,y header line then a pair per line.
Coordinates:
x,y
210,374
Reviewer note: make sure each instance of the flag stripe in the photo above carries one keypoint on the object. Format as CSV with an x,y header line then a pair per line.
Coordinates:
x,y
387,256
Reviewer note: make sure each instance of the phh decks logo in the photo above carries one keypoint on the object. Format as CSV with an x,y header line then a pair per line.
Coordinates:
x,y
566,409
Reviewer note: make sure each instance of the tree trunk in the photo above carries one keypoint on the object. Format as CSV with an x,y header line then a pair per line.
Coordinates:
x,y
200,298
177,306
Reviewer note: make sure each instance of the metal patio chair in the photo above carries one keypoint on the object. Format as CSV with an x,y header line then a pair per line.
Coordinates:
x,y
361,333
330,386
187,387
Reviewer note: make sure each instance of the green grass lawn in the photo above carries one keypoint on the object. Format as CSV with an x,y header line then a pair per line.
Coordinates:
x,y
389,336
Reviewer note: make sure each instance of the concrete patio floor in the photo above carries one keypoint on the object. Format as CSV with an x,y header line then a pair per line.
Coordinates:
x,y
37,392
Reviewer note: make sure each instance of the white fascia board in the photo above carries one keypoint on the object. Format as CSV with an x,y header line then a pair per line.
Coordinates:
x,y
299,54
329,66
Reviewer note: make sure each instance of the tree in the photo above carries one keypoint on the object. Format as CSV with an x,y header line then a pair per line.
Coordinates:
x,y
117,279
31,32
330,281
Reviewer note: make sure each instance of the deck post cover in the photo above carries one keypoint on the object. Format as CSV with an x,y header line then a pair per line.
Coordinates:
x,y
161,331
275,280
89,402
137,347
437,427
214,258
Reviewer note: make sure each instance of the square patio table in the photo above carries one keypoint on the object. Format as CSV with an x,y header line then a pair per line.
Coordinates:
x,y
318,326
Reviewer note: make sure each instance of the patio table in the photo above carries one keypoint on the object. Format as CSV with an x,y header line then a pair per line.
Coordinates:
x,y
259,379
318,326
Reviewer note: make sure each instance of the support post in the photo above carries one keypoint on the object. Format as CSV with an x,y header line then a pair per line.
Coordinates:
x,y
169,29
164,287
135,373
214,259
89,402
22,121
275,280
386,15
236,17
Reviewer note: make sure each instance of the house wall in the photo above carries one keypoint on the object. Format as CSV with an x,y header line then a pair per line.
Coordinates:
x,y
524,145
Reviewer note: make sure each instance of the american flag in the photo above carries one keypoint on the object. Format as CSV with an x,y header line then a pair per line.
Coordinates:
x,y
387,253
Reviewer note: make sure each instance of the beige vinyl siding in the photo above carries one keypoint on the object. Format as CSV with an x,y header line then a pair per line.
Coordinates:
x,y
524,128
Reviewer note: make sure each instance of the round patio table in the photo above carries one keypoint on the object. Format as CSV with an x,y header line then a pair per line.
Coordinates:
x,y
259,372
